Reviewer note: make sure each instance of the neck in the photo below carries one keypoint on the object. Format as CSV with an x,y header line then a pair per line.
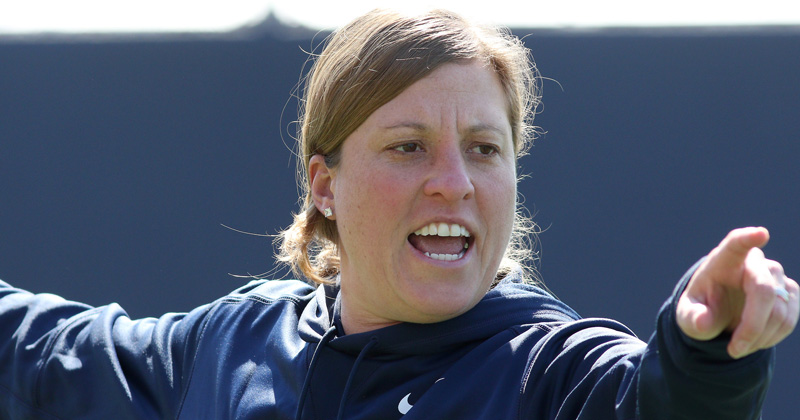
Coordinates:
x,y
354,322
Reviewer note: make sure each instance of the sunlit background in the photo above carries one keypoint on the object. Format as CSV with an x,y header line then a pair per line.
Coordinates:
x,y
124,16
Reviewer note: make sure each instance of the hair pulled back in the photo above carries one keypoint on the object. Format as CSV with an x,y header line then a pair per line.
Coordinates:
x,y
366,64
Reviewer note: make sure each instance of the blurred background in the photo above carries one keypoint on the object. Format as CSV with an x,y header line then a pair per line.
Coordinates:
x,y
145,148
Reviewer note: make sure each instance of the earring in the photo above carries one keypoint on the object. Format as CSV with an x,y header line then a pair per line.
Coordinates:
x,y
327,212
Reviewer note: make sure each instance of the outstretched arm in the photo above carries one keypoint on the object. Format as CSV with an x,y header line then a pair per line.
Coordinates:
x,y
739,291
62,359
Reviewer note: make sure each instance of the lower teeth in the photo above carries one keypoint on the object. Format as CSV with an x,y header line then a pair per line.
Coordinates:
x,y
445,257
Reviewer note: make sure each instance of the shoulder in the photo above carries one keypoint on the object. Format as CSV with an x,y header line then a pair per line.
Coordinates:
x,y
271,291
263,303
252,313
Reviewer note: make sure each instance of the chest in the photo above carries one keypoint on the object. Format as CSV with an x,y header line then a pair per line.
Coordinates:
x,y
476,381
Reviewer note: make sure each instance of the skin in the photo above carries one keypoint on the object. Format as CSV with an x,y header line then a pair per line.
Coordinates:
x,y
441,151
734,291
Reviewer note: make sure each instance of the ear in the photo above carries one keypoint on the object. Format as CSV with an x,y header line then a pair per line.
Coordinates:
x,y
320,178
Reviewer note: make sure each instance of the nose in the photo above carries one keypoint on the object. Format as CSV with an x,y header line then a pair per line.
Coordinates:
x,y
449,176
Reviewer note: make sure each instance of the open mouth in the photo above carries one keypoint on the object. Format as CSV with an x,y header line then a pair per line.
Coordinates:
x,y
442,241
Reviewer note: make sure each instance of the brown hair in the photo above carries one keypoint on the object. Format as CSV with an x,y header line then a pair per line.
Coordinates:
x,y
366,64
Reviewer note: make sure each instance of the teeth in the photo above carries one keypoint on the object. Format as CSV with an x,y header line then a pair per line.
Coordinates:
x,y
445,257
443,229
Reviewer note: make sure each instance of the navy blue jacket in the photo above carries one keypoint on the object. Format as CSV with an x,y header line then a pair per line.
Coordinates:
x,y
272,350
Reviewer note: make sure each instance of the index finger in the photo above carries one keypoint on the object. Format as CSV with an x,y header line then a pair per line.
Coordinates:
x,y
733,250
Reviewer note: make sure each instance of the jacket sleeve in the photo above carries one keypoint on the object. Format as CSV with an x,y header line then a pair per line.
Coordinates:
x,y
682,378
61,359
594,369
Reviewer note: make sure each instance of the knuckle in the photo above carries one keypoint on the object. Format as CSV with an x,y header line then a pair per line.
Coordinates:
x,y
792,315
762,290
783,331
775,268
780,312
788,326
791,286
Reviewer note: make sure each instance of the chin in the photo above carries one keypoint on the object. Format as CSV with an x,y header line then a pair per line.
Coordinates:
x,y
436,304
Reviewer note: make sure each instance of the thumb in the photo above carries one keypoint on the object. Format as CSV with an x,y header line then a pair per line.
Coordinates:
x,y
698,319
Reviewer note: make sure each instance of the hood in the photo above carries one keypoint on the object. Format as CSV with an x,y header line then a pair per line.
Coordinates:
x,y
512,302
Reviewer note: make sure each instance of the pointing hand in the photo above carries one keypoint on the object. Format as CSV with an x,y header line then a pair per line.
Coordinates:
x,y
739,291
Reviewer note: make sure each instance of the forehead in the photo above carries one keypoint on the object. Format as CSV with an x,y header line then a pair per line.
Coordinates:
x,y
468,93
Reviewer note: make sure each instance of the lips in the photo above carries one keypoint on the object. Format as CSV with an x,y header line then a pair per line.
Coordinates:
x,y
441,241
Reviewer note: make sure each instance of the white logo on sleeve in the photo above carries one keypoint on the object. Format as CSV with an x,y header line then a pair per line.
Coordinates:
x,y
404,405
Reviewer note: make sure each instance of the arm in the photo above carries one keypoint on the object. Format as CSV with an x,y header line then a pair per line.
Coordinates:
x,y
684,378
714,352
68,360
592,369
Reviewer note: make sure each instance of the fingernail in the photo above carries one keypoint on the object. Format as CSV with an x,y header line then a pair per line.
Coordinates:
x,y
740,348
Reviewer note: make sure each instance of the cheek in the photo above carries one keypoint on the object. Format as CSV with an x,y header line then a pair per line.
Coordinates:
x,y
372,194
368,202
500,204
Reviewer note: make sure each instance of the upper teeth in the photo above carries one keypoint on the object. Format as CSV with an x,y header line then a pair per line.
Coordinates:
x,y
443,229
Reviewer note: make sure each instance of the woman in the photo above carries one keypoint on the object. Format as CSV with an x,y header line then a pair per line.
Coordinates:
x,y
410,134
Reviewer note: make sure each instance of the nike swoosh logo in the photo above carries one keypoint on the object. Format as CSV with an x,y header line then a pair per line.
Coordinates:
x,y
404,406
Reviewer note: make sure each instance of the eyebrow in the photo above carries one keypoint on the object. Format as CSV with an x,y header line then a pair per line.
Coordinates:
x,y
478,128
487,127
411,125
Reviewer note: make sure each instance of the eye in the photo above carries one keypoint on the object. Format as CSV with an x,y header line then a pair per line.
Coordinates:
x,y
485,149
408,147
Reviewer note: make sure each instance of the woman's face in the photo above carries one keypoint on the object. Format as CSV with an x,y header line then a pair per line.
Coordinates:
x,y
439,157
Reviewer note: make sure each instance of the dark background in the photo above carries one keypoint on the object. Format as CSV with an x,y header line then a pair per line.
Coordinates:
x,y
123,159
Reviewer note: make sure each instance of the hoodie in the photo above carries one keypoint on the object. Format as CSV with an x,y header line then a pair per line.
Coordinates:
x,y
276,350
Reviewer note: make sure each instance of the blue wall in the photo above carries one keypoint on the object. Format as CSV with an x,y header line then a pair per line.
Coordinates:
x,y
122,159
